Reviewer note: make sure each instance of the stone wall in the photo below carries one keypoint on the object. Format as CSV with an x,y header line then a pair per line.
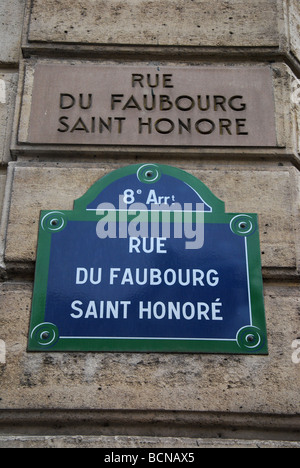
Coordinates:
x,y
151,399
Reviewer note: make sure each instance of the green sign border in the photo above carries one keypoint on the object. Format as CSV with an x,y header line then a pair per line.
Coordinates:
x,y
249,340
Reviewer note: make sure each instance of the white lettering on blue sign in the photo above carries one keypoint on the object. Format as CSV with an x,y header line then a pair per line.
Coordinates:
x,y
150,276
147,310
115,276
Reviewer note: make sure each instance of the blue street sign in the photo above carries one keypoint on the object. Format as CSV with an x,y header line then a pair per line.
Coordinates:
x,y
148,260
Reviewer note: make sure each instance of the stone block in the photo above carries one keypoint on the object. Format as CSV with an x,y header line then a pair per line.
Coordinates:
x,y
278,138
133,442
231,23
286,108
149,105
269,191
195,383
8,85
294,20
11,17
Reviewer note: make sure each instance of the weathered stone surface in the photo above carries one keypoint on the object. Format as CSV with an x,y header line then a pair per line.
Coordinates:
x,y
136,381
8,85
285,119
151,106
11,21
294,21
158,22
269,192
182,396
137,442
286,108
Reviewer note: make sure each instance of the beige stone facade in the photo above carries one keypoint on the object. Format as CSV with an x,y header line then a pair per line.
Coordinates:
x,y
150,399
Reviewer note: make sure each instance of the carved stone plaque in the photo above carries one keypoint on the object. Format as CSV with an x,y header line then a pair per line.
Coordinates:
x,y
92,104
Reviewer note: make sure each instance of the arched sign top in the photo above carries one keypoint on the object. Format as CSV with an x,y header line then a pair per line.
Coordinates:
x,y
148,185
